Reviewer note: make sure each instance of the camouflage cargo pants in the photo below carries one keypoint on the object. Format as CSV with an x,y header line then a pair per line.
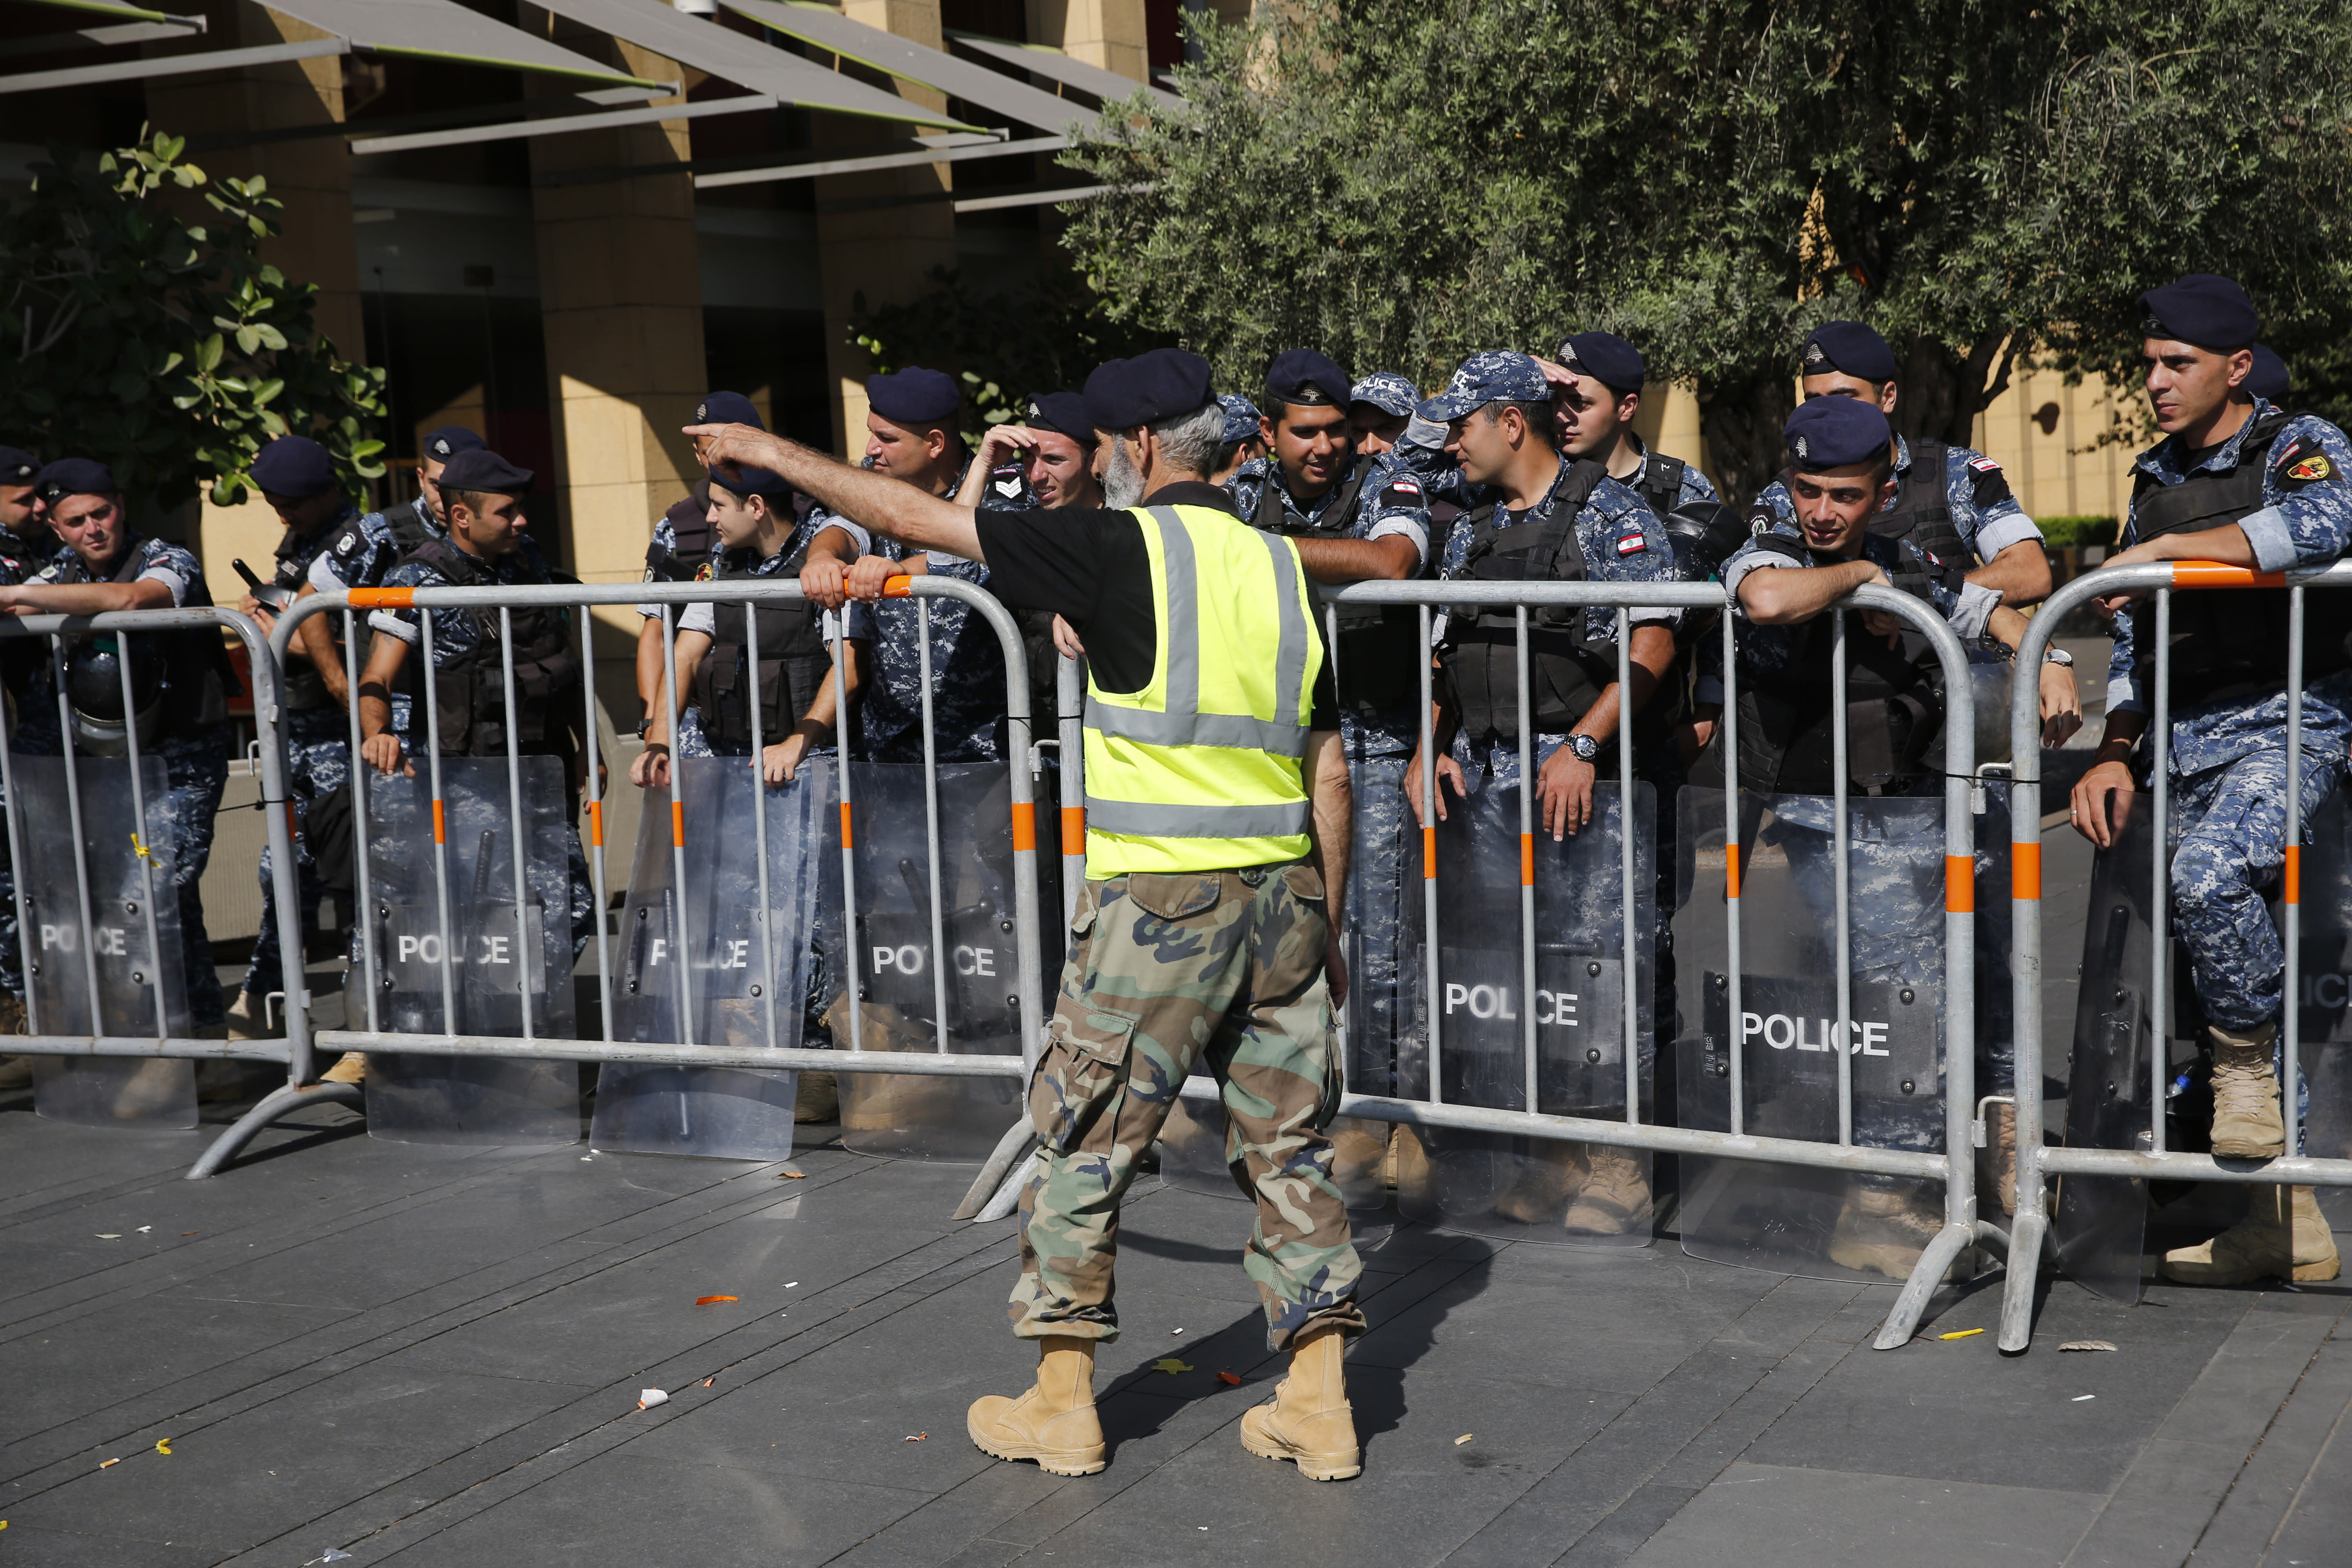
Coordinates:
x,y
1222,970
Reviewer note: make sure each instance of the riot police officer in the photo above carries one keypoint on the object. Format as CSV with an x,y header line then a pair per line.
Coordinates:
x,y
683,550
1241,441
2240,481
1598,381
25,546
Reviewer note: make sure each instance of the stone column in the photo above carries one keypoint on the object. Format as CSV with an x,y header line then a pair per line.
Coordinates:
x,y
1105,33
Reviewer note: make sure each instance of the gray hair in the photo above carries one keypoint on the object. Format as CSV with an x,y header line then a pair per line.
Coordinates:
x,y
1191,442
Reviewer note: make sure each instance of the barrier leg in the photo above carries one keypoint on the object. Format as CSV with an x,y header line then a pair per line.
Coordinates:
x,y
277,1103
1903,1321
1001,1161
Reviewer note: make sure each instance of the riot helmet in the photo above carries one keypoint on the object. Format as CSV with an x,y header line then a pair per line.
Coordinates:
x,y
94,693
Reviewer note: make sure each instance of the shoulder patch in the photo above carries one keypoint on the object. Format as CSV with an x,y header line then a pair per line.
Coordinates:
x,y
1984,464
2305,462
349,542
705,572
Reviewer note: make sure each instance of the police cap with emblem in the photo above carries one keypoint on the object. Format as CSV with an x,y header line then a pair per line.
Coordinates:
x,y
914,397
74,477
1242,417
1063,413
17,467
450,440
1495,375
1606,358
729,408
1834,432
1163,383
2203,309
1848,348
2269,380
294,466
1302,376
487,473
1387,391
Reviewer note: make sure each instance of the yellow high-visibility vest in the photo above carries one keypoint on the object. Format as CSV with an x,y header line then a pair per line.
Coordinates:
x,y
1201,770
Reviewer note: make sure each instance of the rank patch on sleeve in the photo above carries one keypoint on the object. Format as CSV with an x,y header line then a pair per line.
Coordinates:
x,y
2311,469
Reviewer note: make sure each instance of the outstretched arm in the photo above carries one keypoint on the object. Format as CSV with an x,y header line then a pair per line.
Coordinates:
x,y
883,504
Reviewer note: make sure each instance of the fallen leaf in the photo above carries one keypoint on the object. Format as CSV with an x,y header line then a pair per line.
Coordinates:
x,y
711,1379
918,1437
164,1445
706,1301
1464,1438
1960,1333
792,1175
187,1233
1229,1378
108,1464
649,1397
110,1235
2086,1345
1171,1365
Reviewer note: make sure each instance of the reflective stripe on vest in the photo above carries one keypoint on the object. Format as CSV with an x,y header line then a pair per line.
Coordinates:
x,y
1170,787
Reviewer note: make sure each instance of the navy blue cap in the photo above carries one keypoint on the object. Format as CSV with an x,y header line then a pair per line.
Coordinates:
x,y
17,466
748,482
2270,382
485,470
1387,391
1064,413
1848,348
1493,375
2203,309
729,408
294,466
1831,431
914,397
1606,358
1242,418
1162,384
74,477
445,443
1302,376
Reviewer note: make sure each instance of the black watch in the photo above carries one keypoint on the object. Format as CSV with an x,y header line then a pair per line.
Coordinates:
x,y
645,724
1585,747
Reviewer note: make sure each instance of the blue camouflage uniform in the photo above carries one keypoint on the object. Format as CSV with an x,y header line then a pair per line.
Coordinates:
x,y
2228,761
687,738
195,762
455,634
362,554
20,561
702,617
318,762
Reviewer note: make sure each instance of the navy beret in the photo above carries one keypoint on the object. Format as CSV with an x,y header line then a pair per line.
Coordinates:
x,y
1848,348
17,466
1159,385
2270,380
732,408
450,440
1302,376
295,466
748,482
485,470
1831,432
914,397
1064,413
1606,358
74,477
2203,309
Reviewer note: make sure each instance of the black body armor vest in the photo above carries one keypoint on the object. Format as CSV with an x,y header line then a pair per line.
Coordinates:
x,y
471,688
794,662
197,673
698,545
2231,642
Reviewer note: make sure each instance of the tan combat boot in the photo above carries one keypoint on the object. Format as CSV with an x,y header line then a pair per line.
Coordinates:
x,y
1054,1423
2246,1120
1547,1177
2282,1237
248,1018
2004,1154
1309,1418
1615,1197
349,1067
1881,1231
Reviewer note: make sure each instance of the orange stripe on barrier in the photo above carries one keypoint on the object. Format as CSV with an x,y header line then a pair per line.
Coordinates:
x,y
382,599
293,823
596,824
2026,870
898,588
1074,830
1429,854
439,836
1731,871
2295,873
847,841
1526,859
677,823
1024,826
2213,574
1959,884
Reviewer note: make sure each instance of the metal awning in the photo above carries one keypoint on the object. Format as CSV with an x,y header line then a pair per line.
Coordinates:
x,y
730,56
120,13
826,28
1046,60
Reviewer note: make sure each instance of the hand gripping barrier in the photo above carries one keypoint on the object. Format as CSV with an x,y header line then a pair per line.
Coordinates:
x,y
2035,1164
535,1045
84,936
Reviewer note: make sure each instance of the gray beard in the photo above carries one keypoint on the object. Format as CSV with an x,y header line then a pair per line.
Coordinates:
x,y
1122,486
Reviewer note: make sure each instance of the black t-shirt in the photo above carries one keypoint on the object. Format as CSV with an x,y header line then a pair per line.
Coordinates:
x,y
1090,566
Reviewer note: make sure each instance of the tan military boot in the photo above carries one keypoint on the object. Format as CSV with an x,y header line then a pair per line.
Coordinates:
x,y
817,1098
1547,1177
248,1018
1881,1231
1309,1418
349,1067
2282,1237
2004,1154
2246,1120
1615,1197
1054,1423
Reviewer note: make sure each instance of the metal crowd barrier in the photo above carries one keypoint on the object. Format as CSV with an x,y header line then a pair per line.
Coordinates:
x,y
294,1049
2036,1163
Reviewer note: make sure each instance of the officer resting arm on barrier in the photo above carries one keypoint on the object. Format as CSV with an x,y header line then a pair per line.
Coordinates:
x,y
1352,519
362,554
1217,839
683,550
2238,481
757,536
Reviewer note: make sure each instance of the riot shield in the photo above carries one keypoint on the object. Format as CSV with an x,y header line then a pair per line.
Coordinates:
x,y
132,960
1381,1023
2326,989
496,956
1521,1188
893,956
1795,1219
709,963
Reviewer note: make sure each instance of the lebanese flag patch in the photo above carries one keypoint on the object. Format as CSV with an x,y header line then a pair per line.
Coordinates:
x,y
1632,544
1984,464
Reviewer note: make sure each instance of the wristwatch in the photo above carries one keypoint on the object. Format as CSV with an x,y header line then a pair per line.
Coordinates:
x,y
2057,655
1585,747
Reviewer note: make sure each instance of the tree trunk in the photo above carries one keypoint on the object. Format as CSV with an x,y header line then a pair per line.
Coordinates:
x,y
1741,422
1939,394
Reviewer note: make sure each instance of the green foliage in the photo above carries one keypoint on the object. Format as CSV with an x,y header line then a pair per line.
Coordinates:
x,y
164,347
2075,532
1403,182
1043,335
